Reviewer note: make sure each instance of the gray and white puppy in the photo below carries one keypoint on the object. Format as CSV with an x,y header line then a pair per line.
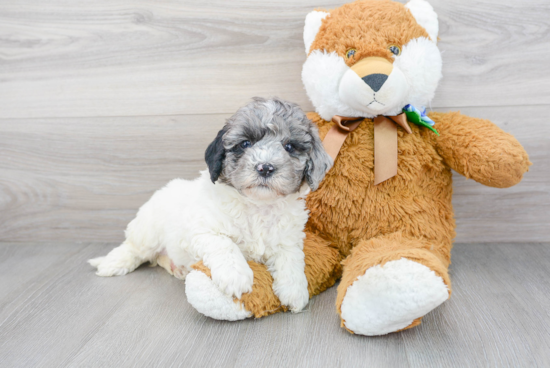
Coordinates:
x,y
267,149
249,206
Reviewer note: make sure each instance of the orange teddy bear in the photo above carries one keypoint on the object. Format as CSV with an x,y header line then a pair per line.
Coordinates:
x,y
382,219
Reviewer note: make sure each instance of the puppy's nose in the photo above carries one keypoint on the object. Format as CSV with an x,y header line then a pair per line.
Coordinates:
x,y
375,81
265,170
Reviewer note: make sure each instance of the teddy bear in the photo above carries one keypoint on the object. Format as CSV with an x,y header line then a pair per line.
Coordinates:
x,y
382,220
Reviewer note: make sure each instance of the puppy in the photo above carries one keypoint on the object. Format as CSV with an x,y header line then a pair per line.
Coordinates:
x,y
249,205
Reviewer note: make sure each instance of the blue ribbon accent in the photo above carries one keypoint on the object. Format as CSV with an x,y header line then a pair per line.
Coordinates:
x,y
422,114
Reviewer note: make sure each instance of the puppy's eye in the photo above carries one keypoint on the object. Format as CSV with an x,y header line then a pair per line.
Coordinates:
x,y
350,53
245,144
289,147
394,49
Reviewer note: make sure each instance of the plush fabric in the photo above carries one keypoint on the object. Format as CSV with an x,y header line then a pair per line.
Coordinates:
x,y
357,25
389,243
409,216
322,270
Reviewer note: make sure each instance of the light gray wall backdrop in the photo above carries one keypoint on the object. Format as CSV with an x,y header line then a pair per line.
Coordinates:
x,y
104,101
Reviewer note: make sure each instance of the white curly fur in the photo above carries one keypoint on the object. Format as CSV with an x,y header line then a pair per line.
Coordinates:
x,y
198,220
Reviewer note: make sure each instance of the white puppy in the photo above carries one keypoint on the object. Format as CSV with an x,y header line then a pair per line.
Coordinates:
x,y
249,206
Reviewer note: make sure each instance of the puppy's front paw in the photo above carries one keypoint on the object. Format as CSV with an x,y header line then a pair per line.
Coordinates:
x,y
294,296
233,281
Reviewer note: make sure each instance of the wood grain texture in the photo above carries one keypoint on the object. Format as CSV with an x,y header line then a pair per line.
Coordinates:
x,y
54,312
127,58
83,179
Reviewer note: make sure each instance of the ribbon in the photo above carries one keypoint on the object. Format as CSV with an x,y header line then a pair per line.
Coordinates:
x,y
337,134
385,145
385,141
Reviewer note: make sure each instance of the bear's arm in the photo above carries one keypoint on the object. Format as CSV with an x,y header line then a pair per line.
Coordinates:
x,y
478,149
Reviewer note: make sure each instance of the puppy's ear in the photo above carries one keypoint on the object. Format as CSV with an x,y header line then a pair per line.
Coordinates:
x,y
215,154
318,163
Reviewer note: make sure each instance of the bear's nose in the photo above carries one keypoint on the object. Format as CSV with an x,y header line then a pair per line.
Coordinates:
x,y
265,170
375,81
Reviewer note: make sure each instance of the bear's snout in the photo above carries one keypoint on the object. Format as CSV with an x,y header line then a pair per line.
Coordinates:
x,y
375,81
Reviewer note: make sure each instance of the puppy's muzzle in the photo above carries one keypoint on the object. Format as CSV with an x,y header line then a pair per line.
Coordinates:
x,y
265,170
374,71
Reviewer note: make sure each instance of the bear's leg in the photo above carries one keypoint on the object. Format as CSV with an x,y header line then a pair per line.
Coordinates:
x,y
322,270
389,283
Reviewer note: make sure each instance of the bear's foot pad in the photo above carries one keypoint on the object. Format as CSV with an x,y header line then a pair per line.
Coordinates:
x,y
391,297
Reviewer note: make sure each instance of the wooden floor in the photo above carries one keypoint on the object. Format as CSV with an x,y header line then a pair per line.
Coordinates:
x,y
55,313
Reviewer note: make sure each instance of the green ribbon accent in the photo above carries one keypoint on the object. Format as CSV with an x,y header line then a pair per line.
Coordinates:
x,y
415,117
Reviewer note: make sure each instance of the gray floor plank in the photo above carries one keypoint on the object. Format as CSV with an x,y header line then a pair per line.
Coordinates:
x,y
492,319
56,313
119,58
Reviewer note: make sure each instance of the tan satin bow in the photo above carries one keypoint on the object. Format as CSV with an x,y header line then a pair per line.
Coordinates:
x,y
385,141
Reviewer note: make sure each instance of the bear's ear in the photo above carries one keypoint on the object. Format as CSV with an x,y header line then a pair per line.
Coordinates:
x,y
425,15
313,23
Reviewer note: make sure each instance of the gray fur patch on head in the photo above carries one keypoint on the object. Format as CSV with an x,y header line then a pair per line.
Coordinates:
x,y
280,136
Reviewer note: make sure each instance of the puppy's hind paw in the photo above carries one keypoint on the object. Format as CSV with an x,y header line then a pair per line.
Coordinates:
x,y
106,269
95,262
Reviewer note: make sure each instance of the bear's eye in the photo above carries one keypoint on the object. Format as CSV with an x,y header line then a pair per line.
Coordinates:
x,y
350,53
394,49
245,144
289,147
